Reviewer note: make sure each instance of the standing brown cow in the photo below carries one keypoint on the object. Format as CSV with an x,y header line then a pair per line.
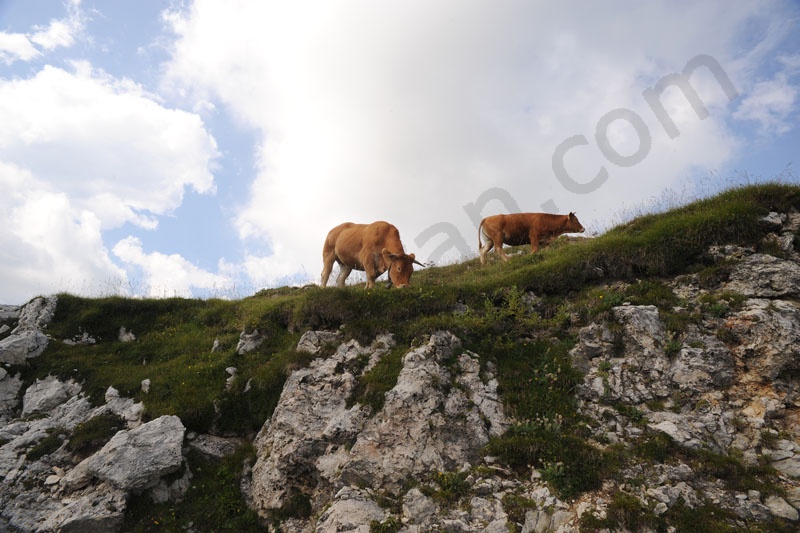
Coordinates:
x,y
373,248
523,228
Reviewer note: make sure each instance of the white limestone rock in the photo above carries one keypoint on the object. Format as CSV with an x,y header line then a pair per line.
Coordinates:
x,y
136,459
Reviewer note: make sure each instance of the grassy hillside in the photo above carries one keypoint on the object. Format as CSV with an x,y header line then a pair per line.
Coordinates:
x,y
490,308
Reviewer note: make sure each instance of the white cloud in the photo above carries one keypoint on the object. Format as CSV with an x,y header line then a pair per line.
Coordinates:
x,y
59,33
47,243
106,143
82,152
770,104
15,47
169,275
410,111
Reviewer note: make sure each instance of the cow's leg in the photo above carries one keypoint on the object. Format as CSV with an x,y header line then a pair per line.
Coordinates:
x,y
371,273
327,266
500,251
328,258
534,237
343,273
486,248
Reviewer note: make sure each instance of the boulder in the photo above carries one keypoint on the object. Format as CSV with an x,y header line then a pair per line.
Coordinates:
x,y
27,340
426,423
313,341
46,394
249,341
22,345
134,460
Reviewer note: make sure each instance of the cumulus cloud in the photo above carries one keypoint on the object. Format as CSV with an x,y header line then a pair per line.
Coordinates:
x,y
82,152
48,244
169,275
109,145
409,112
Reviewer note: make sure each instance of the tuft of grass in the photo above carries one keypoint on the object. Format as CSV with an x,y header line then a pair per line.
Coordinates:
x,y
517,506
390,525
50,443
452,486
372,386
88,437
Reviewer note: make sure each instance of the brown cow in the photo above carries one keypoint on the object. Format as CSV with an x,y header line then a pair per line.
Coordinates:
x,y
373,248
523,228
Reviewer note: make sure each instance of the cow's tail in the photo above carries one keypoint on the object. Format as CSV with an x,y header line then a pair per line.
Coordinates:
x,y
480,228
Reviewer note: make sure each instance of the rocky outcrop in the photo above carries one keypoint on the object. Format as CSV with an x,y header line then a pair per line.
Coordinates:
x,y
438,417
47,487
26,340
79,496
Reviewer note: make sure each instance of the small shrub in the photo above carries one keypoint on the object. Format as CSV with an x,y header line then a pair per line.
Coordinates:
x,y
90,436
673,346
727,336
517,506
719,309
452,487
705,518
713,276
627,512
568,462
633,413
769,439
652,292
47,445
371,387
655,447
390,525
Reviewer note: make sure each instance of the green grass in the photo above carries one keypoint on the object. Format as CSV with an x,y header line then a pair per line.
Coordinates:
x,y
92,435
213,502
491,308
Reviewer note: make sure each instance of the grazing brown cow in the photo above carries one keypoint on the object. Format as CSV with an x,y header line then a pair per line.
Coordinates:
x,y
373,248
523,228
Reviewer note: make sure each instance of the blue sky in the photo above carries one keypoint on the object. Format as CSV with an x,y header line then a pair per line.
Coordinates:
x,y
205,148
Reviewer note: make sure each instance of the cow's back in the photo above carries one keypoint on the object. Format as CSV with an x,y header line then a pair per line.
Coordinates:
x,y
333,235
380,235
348,242
516,227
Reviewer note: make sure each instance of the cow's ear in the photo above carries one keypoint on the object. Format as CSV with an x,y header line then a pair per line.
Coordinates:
x,y
412,256
388,254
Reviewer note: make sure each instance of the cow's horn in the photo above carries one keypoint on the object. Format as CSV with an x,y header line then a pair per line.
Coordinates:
x,y
420,264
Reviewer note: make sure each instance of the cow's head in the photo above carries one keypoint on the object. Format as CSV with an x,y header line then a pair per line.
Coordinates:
x,y
400,267
573,225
